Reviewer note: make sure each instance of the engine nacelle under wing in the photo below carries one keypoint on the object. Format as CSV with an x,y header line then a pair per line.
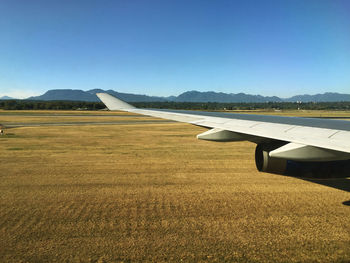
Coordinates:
x,y
265,162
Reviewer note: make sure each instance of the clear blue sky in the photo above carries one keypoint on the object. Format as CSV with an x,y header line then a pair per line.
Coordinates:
x,y
166,47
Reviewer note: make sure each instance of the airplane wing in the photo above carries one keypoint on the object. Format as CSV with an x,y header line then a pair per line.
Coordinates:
x,y
279,139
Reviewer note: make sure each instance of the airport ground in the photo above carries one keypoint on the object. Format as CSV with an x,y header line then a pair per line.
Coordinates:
x,y
116,187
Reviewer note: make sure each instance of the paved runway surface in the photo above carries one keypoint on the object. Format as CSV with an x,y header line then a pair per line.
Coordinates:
x,y
7,124
69,115
100,120
22,124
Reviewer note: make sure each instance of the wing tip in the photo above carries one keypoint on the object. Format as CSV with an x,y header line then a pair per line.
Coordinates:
x,y
113,103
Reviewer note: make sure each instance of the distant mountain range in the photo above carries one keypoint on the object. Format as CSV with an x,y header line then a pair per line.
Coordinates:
x,y
80,95
189,96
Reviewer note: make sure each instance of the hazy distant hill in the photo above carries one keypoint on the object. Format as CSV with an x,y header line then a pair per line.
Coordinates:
x,y
189,96
66,94
128,96
80,95
210,96
326,97
6,98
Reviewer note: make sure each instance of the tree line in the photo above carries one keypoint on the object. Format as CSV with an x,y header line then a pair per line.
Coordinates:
x,y
211,106
50,105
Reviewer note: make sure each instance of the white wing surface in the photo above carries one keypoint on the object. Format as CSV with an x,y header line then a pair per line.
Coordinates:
x,y
309,139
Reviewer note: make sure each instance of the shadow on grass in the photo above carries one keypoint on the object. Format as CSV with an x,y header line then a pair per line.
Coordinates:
x,y
335,174
346,203
337,183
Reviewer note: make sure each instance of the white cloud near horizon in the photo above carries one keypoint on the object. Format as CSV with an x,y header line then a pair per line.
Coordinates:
x,y
20,94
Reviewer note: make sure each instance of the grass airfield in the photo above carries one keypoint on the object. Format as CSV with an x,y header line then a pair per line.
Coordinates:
x,y
138,192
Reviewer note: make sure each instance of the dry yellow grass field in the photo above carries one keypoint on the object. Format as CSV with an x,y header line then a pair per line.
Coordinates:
x,y
153,192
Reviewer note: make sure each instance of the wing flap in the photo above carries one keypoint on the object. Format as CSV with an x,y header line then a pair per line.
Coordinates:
x,y
301,152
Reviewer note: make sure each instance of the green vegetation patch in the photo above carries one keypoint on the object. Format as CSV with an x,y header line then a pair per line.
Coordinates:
x,y
15,149
83,105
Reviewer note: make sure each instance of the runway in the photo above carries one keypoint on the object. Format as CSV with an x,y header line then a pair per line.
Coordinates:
x,y
13,120
36,119
22,124
7,114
